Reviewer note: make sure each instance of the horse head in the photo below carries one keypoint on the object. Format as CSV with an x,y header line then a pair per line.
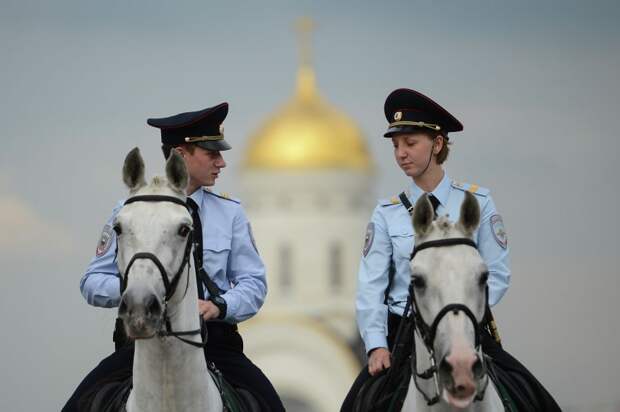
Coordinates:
x,y
153,243
449,294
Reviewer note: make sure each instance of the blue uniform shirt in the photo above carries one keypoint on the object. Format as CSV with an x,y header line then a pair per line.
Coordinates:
x,y
390,238
229,257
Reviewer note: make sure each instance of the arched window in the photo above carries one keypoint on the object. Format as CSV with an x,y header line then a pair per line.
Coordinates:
x,y
335,267
285,275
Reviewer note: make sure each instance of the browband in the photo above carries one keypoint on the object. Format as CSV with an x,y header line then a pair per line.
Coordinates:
x,y
443,242
156,198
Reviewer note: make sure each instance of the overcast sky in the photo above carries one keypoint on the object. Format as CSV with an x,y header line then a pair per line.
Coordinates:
x,y
536,85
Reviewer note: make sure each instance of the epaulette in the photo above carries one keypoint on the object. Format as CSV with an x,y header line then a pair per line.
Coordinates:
x,y
222,195
472,188
394,200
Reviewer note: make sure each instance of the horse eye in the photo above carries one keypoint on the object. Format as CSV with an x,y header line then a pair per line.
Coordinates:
x,y
483,278
117,229
184,230
418,282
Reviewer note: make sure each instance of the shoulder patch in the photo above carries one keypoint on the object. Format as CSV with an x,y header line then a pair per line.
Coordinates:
x,y
499,232
472,188
370,236
222,195
105,241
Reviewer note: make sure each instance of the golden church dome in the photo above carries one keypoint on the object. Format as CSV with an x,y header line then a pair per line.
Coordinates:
x,y
308,133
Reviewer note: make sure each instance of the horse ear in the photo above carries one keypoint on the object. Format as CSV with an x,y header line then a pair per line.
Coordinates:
x,y
423,215
133,170
176,172
470,214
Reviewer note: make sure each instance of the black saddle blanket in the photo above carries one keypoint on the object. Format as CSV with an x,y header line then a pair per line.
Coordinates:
x,y
111,394
517,387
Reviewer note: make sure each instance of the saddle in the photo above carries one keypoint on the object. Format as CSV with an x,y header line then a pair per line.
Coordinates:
x,y
234,399
386,391
518,389
111,394
377,395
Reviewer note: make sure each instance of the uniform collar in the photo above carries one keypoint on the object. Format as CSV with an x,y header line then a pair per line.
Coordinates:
x,y
198,196
441,192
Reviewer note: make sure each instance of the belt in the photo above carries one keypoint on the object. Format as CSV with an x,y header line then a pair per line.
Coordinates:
x,y
221,327
223,335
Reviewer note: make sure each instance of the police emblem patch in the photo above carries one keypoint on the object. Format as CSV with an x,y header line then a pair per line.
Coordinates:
x,y
105,241
252,237
499,232
398,116
370,236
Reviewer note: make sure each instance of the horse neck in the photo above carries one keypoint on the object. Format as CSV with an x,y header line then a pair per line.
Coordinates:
x,y
168,374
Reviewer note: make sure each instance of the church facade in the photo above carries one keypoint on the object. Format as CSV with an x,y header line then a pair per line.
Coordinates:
x,y
307,178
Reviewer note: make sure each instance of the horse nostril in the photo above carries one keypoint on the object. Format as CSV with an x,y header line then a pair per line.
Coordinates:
x,y
153,308
478,368
445,367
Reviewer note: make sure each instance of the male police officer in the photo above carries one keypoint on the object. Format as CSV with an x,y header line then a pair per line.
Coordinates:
x,y
234,275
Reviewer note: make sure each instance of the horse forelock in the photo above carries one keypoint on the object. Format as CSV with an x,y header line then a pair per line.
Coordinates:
x,y
442,228
159,186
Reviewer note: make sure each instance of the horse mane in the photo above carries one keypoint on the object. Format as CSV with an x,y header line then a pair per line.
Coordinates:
x,y
444,225
160,184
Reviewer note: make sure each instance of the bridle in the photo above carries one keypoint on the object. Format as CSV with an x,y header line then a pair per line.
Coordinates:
x,y
428,333
169,285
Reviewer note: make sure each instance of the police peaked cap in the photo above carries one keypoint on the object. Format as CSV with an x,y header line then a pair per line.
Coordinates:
x,y
202,128
408,111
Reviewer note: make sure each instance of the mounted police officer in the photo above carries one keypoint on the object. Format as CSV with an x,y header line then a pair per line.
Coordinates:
x,y
419,130
232,278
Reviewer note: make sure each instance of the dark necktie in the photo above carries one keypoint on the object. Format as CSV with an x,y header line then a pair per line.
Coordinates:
x,y
434,202
202,276
197,237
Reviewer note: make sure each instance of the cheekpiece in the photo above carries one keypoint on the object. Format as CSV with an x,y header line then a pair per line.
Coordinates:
x,y
202,128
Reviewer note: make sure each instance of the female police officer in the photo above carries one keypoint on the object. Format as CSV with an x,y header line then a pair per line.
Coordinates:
x,y
229,257
418,128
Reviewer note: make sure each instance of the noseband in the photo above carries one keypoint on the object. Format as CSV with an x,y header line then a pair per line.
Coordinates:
x,y
428,333
170,286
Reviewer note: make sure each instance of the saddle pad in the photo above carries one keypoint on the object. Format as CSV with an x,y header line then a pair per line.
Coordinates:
x,y
519,390
234,399
383,392
109,395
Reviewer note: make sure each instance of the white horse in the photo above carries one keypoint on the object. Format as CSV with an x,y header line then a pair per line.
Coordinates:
x,y
159,300
449,296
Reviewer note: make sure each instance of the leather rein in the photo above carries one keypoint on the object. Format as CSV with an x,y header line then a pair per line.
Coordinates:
x,y
169,285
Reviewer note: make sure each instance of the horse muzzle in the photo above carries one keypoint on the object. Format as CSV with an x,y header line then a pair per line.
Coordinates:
x,y
462,377
142,314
